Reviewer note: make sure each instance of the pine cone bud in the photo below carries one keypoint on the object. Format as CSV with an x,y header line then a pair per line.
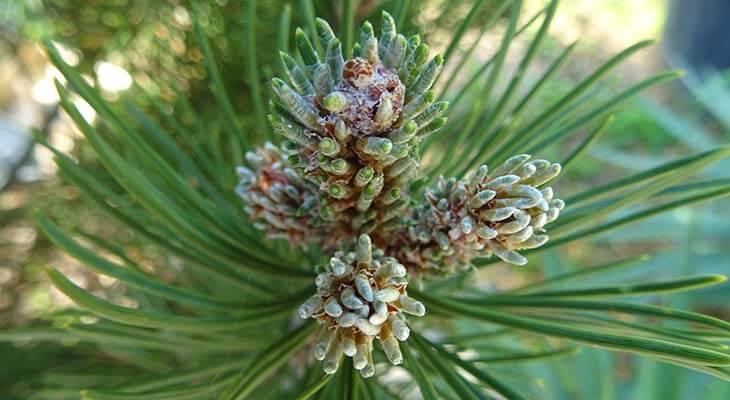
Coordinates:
x,y
357,123
487,214
360,296
284,205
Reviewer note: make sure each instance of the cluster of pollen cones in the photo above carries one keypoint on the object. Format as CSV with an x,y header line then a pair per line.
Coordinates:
x,y
340,180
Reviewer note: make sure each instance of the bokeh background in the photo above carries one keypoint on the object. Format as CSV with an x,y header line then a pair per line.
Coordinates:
x,y
145,50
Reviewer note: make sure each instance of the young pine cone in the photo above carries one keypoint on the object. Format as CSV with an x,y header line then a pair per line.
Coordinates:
x,y
489,213
361,296
285,205
354,125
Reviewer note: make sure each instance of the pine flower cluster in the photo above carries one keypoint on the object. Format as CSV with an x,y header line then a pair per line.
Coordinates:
x,y
361,295
341,176
282,203
353,127
497,212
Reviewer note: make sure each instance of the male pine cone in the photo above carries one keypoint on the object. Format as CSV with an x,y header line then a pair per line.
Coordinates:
x,y
489,213
285,205
353,126
361,296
